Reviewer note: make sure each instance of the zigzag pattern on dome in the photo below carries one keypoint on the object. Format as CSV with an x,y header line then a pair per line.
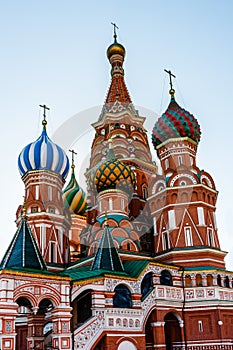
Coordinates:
x,y
175,122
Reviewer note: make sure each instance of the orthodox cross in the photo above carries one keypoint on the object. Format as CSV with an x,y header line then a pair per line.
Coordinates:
x,y
73,153
115,27
44,114
170,76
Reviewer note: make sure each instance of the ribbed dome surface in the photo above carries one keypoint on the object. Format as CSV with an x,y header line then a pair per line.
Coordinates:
x,y
175,122
43,154
74,197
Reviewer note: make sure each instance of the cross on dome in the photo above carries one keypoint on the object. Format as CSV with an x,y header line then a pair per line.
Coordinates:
x,y
114,30
44,121
73,153
172,91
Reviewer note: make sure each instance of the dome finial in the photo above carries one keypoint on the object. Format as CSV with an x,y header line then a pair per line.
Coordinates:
x,y
110,143
73,153
171,91
44,121
114,31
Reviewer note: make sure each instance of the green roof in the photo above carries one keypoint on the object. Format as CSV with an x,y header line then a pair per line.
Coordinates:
x,y
23,250
107,257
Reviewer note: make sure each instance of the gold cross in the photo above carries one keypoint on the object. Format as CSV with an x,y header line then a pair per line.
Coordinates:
x,y
170,76
44,114
73,153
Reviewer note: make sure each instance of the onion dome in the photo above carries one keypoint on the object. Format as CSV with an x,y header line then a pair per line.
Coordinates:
x,y
174,123
43,154
112,174
73,196
115,49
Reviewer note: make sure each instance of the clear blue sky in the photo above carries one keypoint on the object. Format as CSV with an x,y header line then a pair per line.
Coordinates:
x,y
53,52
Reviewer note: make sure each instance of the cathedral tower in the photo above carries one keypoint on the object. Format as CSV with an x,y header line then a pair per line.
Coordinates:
x,y
183,198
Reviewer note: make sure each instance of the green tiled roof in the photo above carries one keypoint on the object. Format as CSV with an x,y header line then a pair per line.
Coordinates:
x,y
132,269
23,250
107,257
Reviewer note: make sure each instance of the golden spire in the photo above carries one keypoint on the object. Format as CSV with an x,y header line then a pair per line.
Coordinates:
x,y
72,164
171,91
44,121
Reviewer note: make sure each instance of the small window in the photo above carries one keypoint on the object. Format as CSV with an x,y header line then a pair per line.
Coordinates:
x,y
188,236
110,204
166,164
144,190
166,278
210,234
50,193
200,326
165,240
37,192
53,252
34,209
179,160
122,204
183,183
51,210
191,161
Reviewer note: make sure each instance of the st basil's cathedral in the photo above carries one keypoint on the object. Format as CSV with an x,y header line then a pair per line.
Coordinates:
x,y
133,263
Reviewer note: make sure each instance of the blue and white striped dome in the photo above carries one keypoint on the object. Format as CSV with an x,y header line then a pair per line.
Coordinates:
x,y
43,154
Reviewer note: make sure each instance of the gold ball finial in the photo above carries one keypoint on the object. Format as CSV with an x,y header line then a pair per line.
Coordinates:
x,y
172,92
44,122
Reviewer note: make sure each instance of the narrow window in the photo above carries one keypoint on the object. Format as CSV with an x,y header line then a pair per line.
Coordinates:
x,y
37,192
34,209
201,218
179,160
191,160
53,252
155,227
200,326
165,240
50,193
100,206
171,219
188,236
166,164
122,204
210,234
110,203
144,192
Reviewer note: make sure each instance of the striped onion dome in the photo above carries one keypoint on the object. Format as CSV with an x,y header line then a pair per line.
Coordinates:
x,y
174,123
112,174
74,197
43,154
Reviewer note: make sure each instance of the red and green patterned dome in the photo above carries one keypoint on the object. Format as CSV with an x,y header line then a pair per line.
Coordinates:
x,y
175,122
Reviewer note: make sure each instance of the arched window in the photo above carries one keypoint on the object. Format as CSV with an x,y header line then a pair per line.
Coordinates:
x,y
209,280
219,281
188,281
146,285
198,280
226,282
166,278
122,297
